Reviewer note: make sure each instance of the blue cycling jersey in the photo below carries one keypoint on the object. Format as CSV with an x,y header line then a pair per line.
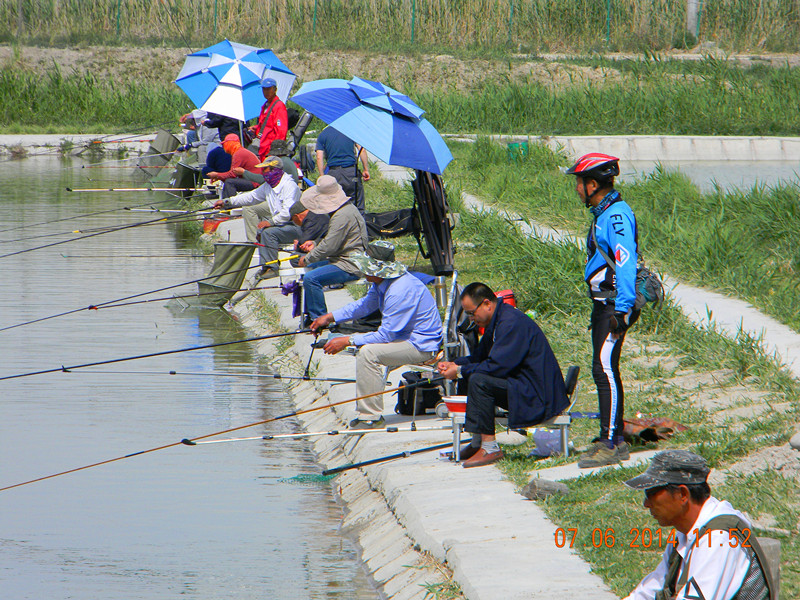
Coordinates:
x,y
616,233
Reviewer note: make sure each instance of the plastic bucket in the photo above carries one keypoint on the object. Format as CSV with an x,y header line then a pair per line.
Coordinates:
x,y
517,150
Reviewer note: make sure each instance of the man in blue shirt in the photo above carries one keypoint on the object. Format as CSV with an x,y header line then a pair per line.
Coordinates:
x,y
611,262
410,331
339,152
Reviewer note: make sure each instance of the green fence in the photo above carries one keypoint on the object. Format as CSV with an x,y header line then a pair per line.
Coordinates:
x,y
524,25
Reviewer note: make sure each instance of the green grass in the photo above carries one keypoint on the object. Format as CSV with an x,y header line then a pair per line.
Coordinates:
x,y
741,243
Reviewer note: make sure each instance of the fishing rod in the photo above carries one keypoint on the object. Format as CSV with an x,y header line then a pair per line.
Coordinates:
x,y
184,255
131,297
334,380
373,461
189,441
91,214
119,160
165,298
63,369
298,436
126,167
172,218
139,189
83,237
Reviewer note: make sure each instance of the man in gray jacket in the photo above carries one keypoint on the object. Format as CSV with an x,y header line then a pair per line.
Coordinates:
x,y
329,260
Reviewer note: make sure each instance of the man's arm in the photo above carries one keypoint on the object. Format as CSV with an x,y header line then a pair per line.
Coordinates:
x,y
360,308
620,229
362,154
508,351
320,161
396,316
652,582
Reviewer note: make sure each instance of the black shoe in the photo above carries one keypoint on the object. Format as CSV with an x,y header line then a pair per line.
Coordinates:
x,y
267,273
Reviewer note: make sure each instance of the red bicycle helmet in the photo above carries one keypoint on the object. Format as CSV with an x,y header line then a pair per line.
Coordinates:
x,y
600,167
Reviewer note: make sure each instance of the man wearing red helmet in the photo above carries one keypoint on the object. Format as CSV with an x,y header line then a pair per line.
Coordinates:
x,y
611,259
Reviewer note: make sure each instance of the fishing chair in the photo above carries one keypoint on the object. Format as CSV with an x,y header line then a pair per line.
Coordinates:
x,y
562,421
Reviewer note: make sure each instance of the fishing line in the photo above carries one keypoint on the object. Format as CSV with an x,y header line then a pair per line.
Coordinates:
x,y
131,297
91,214
193,441
373,461
119,160
178,27
64,369
333,432
164,298
334,380
83,237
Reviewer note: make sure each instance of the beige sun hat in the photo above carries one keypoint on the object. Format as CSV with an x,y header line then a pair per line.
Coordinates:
x,y
325,197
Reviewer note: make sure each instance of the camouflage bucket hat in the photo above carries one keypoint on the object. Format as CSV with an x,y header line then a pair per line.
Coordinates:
x,y
672,466
378,268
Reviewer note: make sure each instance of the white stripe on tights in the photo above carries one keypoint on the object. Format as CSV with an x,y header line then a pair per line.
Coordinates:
x,y
605,361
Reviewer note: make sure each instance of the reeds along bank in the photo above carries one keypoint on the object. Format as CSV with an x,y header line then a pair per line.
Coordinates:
x,y
526,25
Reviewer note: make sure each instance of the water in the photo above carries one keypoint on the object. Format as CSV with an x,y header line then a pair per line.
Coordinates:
x,y
726,174
201,522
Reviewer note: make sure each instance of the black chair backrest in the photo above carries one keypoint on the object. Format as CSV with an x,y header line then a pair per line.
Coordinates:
x,y
571,380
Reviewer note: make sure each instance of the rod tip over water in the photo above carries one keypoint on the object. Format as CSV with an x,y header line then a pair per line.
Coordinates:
x,y
188,442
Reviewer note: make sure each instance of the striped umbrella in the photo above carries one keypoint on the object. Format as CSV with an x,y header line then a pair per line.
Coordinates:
x,y
226,78
387,132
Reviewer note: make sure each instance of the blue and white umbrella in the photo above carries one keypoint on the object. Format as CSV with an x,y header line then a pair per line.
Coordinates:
x,y
226,78
393,137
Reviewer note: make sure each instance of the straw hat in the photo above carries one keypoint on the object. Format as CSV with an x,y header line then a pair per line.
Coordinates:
x,y
325,197
377,268
271,161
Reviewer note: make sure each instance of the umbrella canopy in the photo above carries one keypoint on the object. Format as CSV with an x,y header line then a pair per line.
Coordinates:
x,y
382,96
393,137
226,78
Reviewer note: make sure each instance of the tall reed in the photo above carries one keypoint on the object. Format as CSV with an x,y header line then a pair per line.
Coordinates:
x,y
531,25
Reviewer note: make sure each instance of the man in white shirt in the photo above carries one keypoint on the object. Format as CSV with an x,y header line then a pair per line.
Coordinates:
x,y
268,205
713,554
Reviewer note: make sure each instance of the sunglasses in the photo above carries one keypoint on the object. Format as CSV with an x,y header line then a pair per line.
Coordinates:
x,y
471,313
650,492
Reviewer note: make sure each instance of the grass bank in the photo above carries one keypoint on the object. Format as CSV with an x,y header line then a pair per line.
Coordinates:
x,y
534,25
709,97
736,401
741,243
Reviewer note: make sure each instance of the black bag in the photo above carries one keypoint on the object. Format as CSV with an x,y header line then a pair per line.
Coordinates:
x,y
394,223
427,395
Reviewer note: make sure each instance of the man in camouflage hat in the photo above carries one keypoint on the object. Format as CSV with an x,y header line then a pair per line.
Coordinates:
x,y
410,331
712,554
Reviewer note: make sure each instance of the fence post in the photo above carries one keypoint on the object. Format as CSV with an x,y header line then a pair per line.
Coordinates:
x,y
691,16
413,17
215,20
608,21
510,21
119,7
314,22
20,21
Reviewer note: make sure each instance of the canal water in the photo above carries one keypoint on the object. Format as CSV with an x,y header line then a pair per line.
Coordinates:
x,y
215,521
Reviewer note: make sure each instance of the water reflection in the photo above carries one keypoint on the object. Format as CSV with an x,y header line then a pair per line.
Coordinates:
x,y
204,522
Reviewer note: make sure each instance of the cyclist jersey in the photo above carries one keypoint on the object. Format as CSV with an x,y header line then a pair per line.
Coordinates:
x,y
616,233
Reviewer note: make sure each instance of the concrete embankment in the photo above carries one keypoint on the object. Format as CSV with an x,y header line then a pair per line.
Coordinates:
x,y
408,515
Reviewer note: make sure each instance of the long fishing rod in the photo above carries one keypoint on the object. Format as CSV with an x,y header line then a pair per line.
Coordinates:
x,y
139,189
373,461
63,369
83,237
130,158
188,441
82,216
132,296
166,298
346,432
172,218
334,380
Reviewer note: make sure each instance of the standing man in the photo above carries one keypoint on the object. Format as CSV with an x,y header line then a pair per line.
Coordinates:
x,y
611,259
341,154
410,331
273,122
714,555
513,367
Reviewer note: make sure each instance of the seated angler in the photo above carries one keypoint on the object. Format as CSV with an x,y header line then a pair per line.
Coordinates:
x,y
313,228
513,367
410,331
241,160
268,205
331,261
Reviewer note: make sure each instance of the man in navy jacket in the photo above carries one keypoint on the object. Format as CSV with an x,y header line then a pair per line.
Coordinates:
x,y
513,367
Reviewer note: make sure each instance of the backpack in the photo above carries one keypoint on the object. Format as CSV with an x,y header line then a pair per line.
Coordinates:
x,y
427,395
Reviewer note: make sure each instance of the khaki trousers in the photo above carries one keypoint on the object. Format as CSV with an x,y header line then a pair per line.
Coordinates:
x,y
253,215
370,366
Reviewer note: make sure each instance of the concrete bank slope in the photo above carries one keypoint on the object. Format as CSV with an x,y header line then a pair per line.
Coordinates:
x,y
499,545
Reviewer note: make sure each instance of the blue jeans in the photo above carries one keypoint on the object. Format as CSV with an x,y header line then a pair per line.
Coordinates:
x,y
322,274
